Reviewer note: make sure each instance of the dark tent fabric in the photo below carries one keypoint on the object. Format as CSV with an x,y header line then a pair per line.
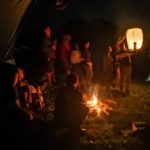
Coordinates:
x,y
11,15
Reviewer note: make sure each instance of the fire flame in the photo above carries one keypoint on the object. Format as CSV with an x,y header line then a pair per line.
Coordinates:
x,y
97,106
94,105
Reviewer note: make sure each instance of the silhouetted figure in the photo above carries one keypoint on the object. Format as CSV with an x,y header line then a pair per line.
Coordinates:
x,y
11,110
88,62
70,111
108,68
125,63
77,64
23,89
116,67
148,78
37,98
48,56
63,55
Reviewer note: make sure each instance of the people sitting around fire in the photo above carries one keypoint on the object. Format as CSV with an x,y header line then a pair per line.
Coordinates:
x,y
31,97
11,109
70,111
37,98
23,89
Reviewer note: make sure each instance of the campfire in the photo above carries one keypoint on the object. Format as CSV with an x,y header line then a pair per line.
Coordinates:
x,y
96,106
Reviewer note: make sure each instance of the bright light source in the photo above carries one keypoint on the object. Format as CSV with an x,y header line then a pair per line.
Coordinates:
x,y
134,35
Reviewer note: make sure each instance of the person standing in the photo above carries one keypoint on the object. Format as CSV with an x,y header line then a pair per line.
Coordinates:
x,y
124,60
51,63
77,63
64,54
148,78
108,68
88,62
46,43
45,80
116,67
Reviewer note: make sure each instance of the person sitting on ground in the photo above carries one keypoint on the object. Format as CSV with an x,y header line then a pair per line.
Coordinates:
x,y
23,89
12,111
70,111
37,98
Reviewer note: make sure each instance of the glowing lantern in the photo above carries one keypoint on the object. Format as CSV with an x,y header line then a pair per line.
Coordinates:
x,y
134,38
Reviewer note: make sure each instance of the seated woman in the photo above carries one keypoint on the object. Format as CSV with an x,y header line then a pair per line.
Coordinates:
x,y
23,89
37,98
12,111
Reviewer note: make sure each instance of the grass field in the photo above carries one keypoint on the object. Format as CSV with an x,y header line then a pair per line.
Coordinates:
x,y
114,130
108,131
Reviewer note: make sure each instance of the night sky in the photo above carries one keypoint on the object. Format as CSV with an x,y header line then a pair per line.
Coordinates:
x,y
121,12
117,11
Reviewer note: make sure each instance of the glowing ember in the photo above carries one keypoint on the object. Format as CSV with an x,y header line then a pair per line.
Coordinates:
x,y
92,102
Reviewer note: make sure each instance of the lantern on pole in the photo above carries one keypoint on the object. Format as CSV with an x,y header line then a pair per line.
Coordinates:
x,y
134,38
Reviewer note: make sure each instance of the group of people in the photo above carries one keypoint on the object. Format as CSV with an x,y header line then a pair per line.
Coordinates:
x,y
117,67
64,57
70,56
76,65
21,99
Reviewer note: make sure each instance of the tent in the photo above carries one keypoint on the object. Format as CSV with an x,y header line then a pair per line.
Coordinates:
x,y
12,15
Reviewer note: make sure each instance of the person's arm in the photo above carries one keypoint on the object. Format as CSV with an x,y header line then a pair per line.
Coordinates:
x,y
29,95
104,63
126,54
29,113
